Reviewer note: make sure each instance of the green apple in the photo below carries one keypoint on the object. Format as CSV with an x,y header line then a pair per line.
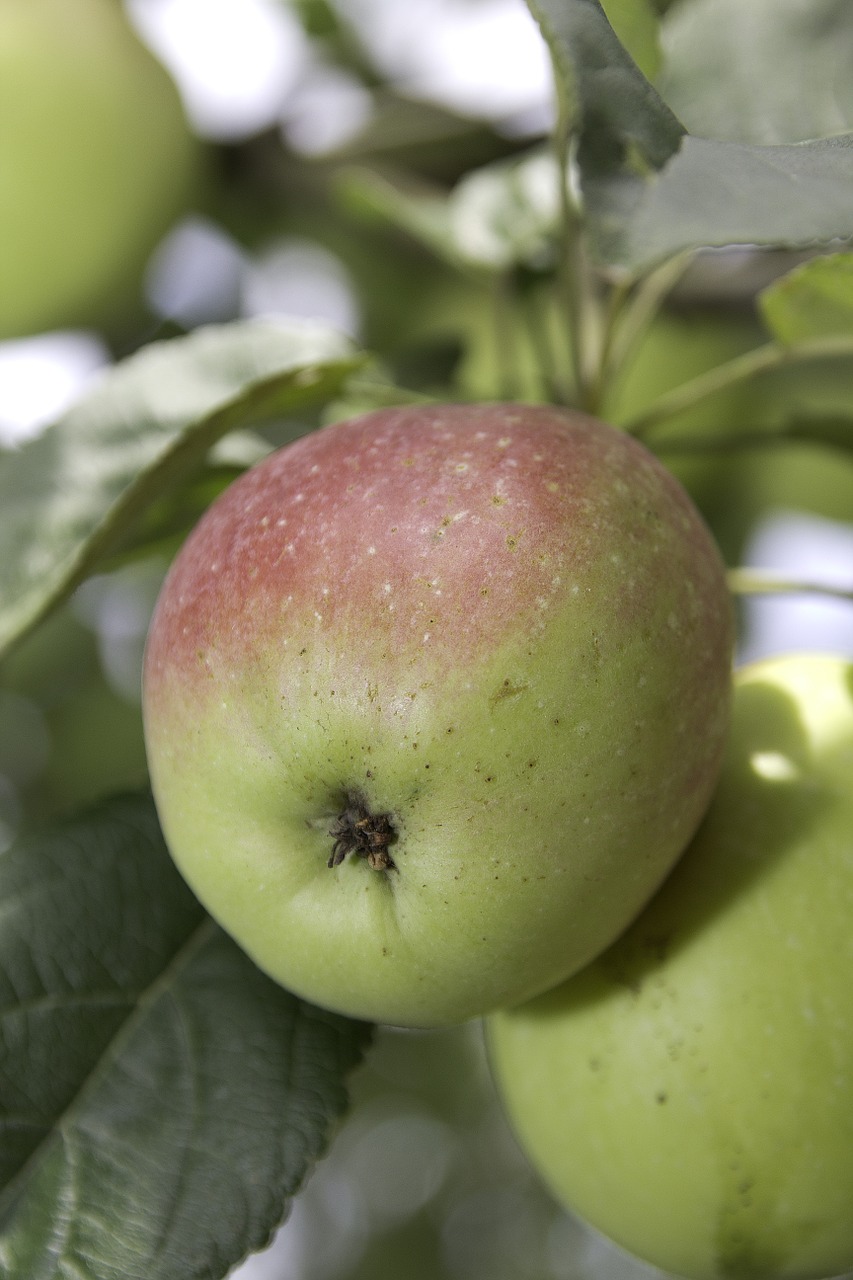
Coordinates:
x,y
690,1093
433,700
96,156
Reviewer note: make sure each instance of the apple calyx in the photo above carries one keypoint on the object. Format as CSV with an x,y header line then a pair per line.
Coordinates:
x,y
357,830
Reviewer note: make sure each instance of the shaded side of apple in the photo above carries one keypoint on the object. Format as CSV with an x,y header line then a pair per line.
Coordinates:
x,y
506,628
96,155
691,1092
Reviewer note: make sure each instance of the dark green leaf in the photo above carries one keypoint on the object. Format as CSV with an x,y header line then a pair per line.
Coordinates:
x,y
815,300
722,193
70,496
621,122
160,1098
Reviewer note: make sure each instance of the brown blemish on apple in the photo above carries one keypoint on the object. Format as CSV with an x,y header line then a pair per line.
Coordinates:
x,y
507,690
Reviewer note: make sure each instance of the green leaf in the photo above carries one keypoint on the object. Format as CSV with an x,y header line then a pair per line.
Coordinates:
x,y
166,521
637,27
766,71
71,496
619,119
160,1098
723,193
815,300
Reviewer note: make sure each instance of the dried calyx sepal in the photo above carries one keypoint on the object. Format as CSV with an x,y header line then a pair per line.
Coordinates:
x,y
367,835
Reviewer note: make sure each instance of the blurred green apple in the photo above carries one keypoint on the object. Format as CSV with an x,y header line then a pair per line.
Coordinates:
x,y
690,1093
433,700
96,156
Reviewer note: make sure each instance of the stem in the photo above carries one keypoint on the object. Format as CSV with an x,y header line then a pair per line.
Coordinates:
x,y
731,374
633,308
761,582
538,318
506,344
575,279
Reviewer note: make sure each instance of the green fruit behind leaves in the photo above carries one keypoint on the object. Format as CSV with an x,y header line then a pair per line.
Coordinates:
x,y
690,1093
96,161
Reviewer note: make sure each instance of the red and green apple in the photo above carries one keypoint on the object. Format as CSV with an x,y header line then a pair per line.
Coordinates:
x,y
434,698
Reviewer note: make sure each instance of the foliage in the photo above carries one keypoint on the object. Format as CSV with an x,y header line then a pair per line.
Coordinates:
x,y
159,1099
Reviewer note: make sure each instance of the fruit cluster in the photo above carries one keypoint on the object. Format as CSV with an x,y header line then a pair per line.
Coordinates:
x,y
436,703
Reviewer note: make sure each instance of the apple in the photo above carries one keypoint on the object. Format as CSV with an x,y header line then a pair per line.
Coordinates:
x,y
96,156
433,700
690,1093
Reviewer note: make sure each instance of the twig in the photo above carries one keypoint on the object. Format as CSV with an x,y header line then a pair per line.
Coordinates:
x,y
762,582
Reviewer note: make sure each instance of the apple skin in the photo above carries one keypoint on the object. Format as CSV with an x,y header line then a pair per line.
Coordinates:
x,y
505,627
97,158
690,1094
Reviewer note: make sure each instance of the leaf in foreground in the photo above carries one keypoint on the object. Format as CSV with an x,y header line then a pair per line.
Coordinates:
x,y
766,71
70,496
619,118
160,1098
722,193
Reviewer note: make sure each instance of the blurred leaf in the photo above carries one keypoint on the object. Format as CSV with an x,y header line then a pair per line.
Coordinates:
x,y
637,25
70,496
497,217
830,430
813,301
507,214
762,71
835,431
621,122
423,215
159,1096
369,390
167,520
423,139
720,193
